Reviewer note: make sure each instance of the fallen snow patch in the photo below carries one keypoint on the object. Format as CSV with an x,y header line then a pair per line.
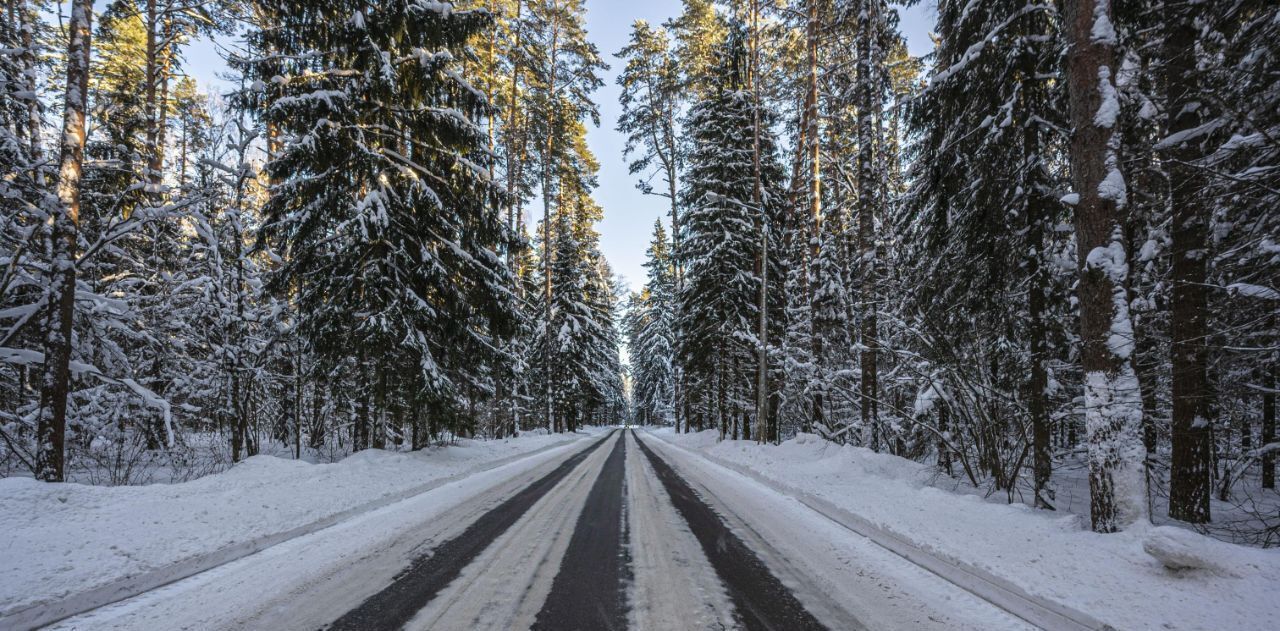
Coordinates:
x,y
1180,550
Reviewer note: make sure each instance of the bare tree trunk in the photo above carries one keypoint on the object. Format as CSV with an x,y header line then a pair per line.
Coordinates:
x,y
814,148
1113,409
1037,409
512,112
151,76
297,401
677,269
757,202
868,20
762,358
379,438
64,228
29,62
1038,211
1271,382
161,120
360,427
1190,470
547,247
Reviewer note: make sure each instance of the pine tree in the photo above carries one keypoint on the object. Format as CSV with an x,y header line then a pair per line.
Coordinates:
x,y
698,33
652,100
564,72
64,227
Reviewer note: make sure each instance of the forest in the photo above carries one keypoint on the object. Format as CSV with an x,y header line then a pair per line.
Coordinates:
x,y
1043,254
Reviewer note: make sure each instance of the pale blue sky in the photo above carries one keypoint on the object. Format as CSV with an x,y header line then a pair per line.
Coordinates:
x,y
628,215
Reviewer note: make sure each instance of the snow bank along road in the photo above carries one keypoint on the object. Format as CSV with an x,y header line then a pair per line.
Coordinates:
x,y
626,533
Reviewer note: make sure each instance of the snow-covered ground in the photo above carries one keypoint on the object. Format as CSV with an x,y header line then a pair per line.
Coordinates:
x,y
1050,557
72,546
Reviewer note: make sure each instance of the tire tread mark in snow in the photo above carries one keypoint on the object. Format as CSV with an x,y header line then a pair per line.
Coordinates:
x,y
589,591
760,600
412,589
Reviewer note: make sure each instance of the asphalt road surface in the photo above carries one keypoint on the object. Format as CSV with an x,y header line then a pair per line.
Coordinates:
x,y
589,590
623,531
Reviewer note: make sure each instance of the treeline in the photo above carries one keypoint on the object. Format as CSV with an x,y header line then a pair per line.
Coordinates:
x,y
1049,245
331,256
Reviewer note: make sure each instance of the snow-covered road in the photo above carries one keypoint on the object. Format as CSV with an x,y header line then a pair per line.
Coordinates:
x,y
623,531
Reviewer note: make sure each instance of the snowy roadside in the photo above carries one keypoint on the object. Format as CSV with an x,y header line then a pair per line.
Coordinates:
x,y
89,545
1049,557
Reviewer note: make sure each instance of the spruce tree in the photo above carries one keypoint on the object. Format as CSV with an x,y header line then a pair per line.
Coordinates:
x,y
718,303
380,204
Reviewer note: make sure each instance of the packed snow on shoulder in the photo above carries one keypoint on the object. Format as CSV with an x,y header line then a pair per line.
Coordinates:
x,y
1147,577
63,540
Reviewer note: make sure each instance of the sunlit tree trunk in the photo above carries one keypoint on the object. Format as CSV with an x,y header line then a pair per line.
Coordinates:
x,y
64,228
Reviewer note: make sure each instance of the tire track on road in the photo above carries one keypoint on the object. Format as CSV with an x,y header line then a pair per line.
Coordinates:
x,y
760,600
589,591
426,576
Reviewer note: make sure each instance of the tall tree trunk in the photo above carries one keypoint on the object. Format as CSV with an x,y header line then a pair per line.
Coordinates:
x,y
360,428
547,247
1113,409
868,32
1190,470
1037,407
757,202
29,61
514,219
510,132
161,120
379,438
677,268
64,228
1271,382
813,147
1039,210
151,75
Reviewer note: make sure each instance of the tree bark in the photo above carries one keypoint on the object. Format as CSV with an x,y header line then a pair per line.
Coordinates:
x,y
813,146
1190,470
547,247
757,202
64,230
1113,409
151,75
1038,210
1269,425
1037,408
868,20
29,61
